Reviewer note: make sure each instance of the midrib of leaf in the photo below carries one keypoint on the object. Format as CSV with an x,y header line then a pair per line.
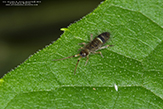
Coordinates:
x,y
49,78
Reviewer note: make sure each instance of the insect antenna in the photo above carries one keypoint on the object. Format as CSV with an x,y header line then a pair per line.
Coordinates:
x,y
77,64
66,57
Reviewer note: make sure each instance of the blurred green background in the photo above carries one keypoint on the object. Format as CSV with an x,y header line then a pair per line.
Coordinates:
x,y
25,30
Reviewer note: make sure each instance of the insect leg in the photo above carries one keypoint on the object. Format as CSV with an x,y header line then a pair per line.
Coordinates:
x,y
105,47
91,37
67,57
77,64
87,59
83,43
80,48
100,54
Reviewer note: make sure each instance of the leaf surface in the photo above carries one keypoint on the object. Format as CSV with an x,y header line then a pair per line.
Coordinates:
x,y
134,63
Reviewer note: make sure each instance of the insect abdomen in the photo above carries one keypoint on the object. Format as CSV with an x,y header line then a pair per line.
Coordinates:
x,y
98,41
103,37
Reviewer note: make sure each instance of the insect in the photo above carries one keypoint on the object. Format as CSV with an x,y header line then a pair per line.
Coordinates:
x,y
91,47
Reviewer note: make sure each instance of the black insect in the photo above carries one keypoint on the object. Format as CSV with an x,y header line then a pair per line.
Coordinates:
x,y
91,47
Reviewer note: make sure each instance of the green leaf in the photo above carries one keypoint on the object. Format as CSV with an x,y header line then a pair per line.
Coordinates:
x,y
134,64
